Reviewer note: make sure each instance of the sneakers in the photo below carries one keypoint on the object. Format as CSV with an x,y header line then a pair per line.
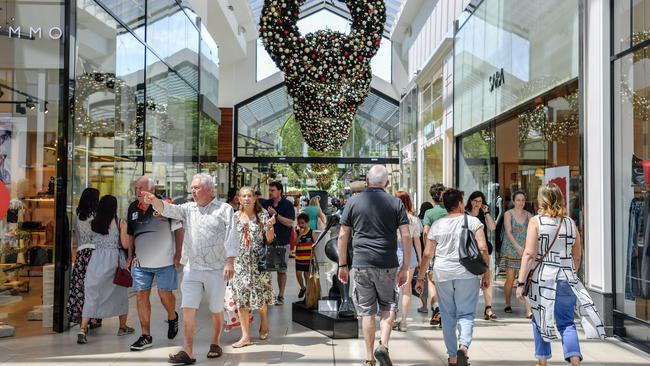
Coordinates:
x,y
145,341
435,318
279,300
172,328
81,337
381,354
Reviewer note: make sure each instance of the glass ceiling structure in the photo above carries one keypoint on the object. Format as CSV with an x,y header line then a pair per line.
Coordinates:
x,y
266,128
336,6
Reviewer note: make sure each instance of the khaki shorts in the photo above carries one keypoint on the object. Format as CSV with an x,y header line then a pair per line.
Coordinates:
x,y
196,283
375,289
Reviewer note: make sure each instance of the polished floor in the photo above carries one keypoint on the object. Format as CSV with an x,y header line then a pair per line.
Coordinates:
x,y
504,342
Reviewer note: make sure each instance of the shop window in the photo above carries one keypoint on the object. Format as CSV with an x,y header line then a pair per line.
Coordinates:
x,y
433,163
539,145
30,100
109,109
632,179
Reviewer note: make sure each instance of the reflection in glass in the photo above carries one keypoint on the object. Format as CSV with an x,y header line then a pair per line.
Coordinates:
x,y
108,109
632,151
534,43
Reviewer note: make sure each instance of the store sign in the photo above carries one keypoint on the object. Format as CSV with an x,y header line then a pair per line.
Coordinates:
x,y
497,80
54,33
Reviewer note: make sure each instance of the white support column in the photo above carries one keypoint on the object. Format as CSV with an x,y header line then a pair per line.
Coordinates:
x,y
597,154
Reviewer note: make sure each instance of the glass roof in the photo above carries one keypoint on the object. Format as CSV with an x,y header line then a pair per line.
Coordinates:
x,y
337,6
261,121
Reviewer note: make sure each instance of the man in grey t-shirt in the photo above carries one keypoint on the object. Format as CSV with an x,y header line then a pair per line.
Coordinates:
x,y
373,217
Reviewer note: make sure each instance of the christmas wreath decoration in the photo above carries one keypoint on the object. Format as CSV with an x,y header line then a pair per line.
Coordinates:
x,y
327,73
91,83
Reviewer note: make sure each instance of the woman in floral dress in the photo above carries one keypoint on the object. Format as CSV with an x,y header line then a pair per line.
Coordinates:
x,y
83,235
514,242
252,289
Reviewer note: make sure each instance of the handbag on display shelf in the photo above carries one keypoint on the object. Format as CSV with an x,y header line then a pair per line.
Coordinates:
x,y
529,278
313,284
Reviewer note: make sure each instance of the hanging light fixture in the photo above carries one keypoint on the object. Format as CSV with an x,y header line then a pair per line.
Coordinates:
x,y
29,103
539,172
45,110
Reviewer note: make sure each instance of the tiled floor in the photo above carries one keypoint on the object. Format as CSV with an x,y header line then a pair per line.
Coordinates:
x,y
505,342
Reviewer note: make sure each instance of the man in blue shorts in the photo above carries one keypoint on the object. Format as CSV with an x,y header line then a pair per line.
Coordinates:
x,y
158,241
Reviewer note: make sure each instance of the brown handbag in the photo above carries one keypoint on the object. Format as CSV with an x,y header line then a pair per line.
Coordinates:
x,y
313,284
529,278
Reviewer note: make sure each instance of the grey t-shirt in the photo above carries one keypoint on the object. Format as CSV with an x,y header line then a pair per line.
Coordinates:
x,y
374,216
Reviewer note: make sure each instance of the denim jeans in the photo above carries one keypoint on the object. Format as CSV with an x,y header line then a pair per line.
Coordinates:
x,y
457,300
565,301
634,228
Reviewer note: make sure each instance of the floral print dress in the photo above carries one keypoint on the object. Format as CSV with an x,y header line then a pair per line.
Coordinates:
x,y
251,288
509,256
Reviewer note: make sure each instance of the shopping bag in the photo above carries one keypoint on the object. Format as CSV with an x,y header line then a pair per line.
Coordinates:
x,y
231,312
313,285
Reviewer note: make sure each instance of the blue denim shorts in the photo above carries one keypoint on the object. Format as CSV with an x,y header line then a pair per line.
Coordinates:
x,y
166,278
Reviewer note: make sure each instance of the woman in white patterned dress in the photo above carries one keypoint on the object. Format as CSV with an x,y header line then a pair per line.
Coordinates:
x,y
555,287
252,289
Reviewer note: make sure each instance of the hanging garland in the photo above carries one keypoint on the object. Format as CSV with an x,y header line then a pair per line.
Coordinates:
x,y
327,73
551,130
95,82
640,105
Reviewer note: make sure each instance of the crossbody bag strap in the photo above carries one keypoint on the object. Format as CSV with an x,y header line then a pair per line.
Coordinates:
x,y
548,250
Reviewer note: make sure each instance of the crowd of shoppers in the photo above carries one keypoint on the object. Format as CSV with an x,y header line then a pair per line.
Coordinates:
x,y
220,243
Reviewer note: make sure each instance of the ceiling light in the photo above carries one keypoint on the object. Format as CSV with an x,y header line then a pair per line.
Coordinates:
x,y
45,110
29,103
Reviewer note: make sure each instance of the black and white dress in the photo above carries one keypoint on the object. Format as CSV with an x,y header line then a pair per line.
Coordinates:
x,y
558,266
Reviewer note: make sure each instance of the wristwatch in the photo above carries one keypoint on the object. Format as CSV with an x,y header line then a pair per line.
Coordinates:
x,y
521,284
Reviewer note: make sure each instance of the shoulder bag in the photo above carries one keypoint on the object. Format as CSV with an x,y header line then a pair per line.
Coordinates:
x,y
529,278
271,257
122,275
468,252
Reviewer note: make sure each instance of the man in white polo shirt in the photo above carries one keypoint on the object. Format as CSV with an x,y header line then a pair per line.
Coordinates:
x,y
158,241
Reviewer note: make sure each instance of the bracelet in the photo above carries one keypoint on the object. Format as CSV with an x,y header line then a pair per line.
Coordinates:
x,y
343,266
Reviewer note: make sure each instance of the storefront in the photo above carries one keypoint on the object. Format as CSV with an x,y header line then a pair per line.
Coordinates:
x,y
143,81
426,126
516,102
631,177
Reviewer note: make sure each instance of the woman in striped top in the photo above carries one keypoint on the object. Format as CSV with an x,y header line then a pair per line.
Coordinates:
x,y
306,238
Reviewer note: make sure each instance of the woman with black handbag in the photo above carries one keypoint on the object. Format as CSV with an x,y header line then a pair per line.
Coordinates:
x,y
477,206
103,297
552,287
252,288
458,277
